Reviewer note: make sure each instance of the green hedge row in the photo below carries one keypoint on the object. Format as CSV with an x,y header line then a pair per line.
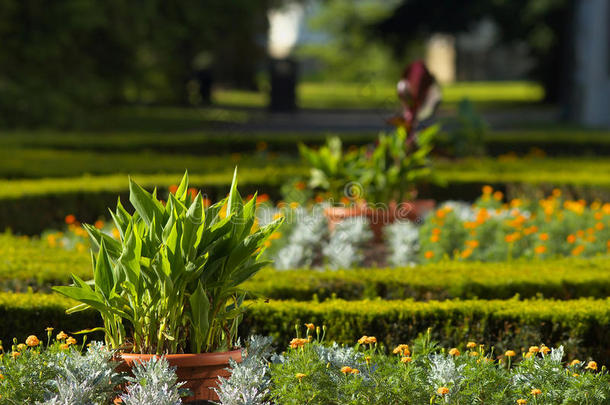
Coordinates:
x,y
582,325
555,141
560,279
30,206
31,263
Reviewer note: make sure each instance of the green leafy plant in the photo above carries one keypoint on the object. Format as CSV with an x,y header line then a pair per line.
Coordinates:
x,y
387,171
172,282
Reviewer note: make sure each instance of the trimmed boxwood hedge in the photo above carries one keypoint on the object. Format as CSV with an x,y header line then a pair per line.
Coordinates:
x,y
560,279
582,325
31,263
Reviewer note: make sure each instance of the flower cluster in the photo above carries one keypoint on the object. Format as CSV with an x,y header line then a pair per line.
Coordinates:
x,y
365,374
491,230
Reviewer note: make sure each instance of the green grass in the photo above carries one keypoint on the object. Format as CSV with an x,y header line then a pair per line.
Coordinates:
x,y
383,95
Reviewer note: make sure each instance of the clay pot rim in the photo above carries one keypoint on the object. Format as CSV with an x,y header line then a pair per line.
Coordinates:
x,y
188,359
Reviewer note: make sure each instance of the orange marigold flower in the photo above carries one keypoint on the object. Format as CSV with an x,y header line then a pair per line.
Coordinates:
x,y
466,253
487,190
71,341
575,362
70,219
61,336
32,341
434,238
99,224
472,243
521,401
300,185
442,391
534,349
510,353
540,249
454,352
544,349
355,371
591,365
173,188
402,350
578,250
498,196
571,238
471,345
346,369
406,359
64,346
474,354
300,376
599,226
15,354
544,236
580,233
535,392
429,254
296,342
436,231
310,326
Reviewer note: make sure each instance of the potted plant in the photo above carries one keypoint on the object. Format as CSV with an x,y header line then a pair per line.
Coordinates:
x,y
378,181
171,284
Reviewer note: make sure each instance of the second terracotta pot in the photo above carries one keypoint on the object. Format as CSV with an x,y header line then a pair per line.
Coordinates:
x,y
380,216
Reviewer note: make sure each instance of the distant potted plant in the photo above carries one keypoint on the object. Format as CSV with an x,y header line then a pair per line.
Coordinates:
x,y
171,285
379,181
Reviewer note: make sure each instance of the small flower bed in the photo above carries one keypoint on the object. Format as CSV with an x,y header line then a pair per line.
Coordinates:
x,y
490,230
311,372
57,372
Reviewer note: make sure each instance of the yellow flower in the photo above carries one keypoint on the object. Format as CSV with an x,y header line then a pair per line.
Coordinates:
x,y
71,341
535,392
529,354
355,371
368,360
61,336
15,354
64,346
454,352
534,349
49,329
310,326
474,354
545,349
300,376
405,359
592,365
32,341
575,362
471,345
346,369
21,347
442,390
510,353
521,401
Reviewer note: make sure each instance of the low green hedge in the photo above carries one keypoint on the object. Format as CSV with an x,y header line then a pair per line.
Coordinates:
x,y
32,263
30,206
582,325
559,279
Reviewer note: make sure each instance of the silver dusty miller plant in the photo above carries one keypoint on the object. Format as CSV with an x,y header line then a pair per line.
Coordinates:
x,y
403,243
250,380
305,239
84,379
154,383
344,248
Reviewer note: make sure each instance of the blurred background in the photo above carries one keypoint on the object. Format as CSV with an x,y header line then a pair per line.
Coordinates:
x,y
149,87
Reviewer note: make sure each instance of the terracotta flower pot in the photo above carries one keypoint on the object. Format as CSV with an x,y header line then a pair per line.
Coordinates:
x,y
199,371
380,216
